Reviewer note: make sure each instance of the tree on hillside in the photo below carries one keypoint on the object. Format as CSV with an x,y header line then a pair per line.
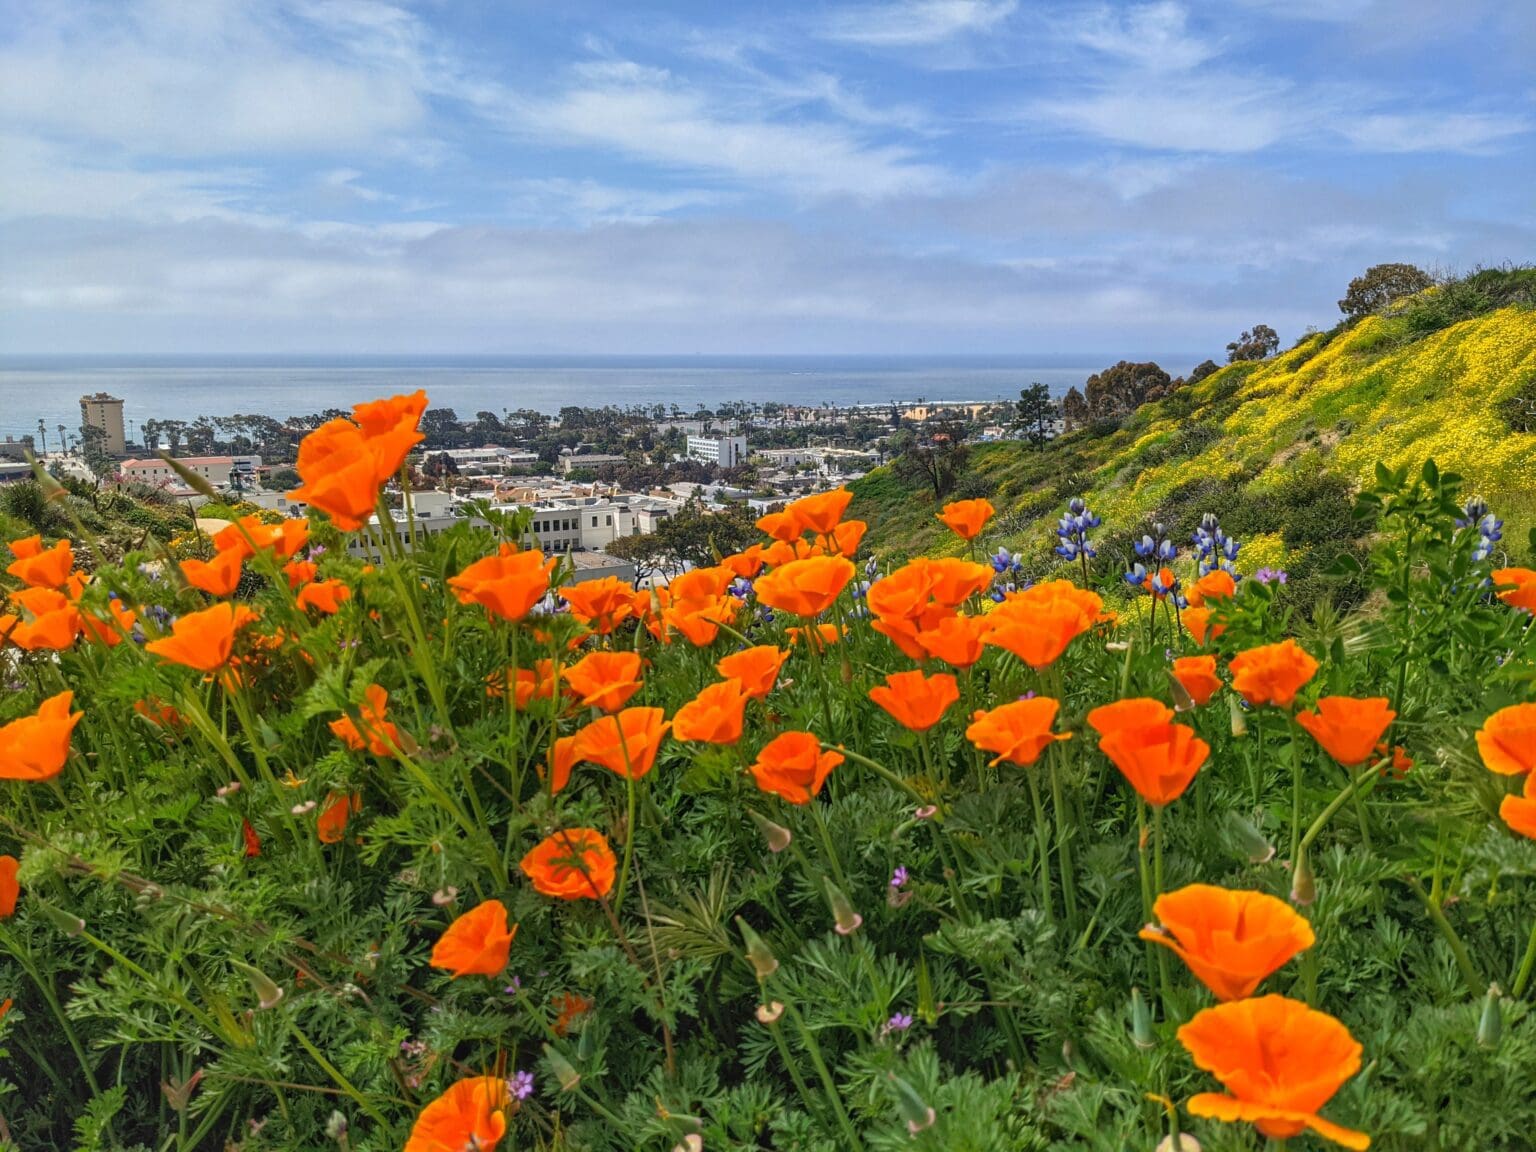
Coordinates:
x,y
1259,343
441,428
1036,412
935,459
1202,370
1121,389
1074,409
439,465
1380,285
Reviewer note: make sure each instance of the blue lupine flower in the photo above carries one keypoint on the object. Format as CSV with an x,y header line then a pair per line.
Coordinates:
x,y
1073,529
1216,550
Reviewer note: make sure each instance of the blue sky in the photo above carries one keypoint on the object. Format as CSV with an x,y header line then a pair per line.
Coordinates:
x,y
886,176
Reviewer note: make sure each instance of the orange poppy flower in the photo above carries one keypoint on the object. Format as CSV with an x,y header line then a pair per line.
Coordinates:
x,y
1090,603
844,540
756,669
602,605
10,891
957,640
471,1114
903,633
46,621
1272,673
781,526
902,594
966,518
1136,712
819,636
327,596
508,584
1519,812
1230,940
605,680
217,577
331,824
1348,729
1523,594
35,747
536,683
805,587
1197,622
1401,761
477,943
1037,633
160,714
300,572
111,629
625,744
571,1007
381,738
952,581
562,758
821,513
1217,585
1507,740
1158,760
250,534
1279,1060
1016,732
746,563
344,463
916,701
41,567
792,765
203,640
574,864
1198,676
714,716
698,619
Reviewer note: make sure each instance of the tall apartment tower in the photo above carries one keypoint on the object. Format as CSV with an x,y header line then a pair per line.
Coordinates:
x,y
105,412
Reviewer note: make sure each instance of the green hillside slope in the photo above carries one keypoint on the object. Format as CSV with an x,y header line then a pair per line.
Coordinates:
x,y
1276,447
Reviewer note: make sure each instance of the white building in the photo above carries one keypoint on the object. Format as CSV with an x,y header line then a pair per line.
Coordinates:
x,y
589,461
217,470
724,451
105,414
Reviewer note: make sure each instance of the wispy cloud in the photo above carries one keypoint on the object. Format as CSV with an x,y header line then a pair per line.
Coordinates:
x,y
1471,133
915,23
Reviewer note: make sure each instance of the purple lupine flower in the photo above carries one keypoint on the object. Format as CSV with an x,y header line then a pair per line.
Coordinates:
x,y
520,1085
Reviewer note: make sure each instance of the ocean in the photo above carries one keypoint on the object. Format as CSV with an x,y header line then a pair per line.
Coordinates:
x,y
48,388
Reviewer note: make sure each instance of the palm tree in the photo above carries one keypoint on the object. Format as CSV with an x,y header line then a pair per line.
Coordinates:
x,y
42,431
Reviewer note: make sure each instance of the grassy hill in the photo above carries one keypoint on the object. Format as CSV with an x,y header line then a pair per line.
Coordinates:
x,y
1276,448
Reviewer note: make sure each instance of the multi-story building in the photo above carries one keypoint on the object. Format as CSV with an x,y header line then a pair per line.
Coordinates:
x,y
724,451
587,461
217,470
17,449
105,413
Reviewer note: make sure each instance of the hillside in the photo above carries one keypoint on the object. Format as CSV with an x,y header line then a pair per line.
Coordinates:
x,y
1277,447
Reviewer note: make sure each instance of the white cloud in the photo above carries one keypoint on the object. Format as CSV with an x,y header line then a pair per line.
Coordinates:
x,y
565,201
916,23
1153,36
1432,132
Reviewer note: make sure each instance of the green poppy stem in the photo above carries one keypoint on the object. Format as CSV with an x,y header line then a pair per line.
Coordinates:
x,y
1527,963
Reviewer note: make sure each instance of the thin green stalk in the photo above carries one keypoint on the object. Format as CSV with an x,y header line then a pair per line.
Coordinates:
x,y
825,835
1476,985
1295,794
1523,977
813,1049
1063,845
1338,802
1158,836
46,988
1031,775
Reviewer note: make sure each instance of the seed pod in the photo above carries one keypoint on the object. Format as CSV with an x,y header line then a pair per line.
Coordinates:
x,y
1141,1022
777,836
763,961
268,992
1490,1026
910,1106
1303,882
65,922
1186,1143
845,920
1239,721
1246,840
567,1075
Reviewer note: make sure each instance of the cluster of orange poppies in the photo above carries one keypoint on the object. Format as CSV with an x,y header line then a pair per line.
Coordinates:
x,y
49,614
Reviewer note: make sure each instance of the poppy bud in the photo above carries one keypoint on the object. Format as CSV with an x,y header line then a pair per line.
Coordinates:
x,y
1182,700
1490,1027
65,922
1239,721
763,961
692,1142
910,1106
1245,839
268,992
1141,1021
567,1075
1183,1142
777,836
846,920
1303,882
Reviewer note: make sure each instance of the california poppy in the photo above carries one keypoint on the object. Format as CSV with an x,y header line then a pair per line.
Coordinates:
x,y
469,1115
601,604
952,581
1135,712
605,680
203,640
300,572
745,564
698,618
1231,940
793,765
562,758
109,630
1347,728
380,736
251,534
1016,732
959,641
1198,676
10,891
1279,1060
41,567
331,824
1507,740
508,584
1519,812
818,636
1272,673
916,701
755,669
217,577
571,1008
1197,622
536,683
252,841
477,943
42,621
782,526
1158,760
1037,633
36,747
714,716
805,587
1217,585
344,463
844,540
159,713
821,513
1523,593
967,518
625,744
325,596
574,864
